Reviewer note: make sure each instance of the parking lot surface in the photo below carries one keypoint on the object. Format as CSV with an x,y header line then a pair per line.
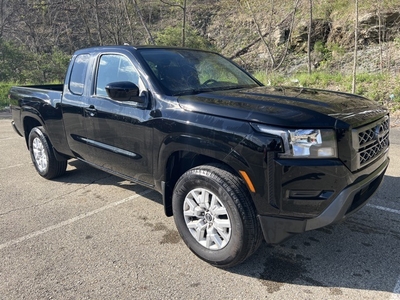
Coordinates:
x,y
90,235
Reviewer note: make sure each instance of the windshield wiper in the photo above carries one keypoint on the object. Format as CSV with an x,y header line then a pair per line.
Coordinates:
x,y
211,89
188,92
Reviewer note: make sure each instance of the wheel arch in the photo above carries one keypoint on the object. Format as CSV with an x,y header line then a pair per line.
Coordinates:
x,y
177,164
32,121
29,123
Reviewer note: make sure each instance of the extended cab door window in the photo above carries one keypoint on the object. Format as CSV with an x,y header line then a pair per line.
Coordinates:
x,y
114,68
73,106
78,74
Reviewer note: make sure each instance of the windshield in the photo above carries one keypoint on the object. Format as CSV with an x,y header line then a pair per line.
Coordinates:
x,y
182,71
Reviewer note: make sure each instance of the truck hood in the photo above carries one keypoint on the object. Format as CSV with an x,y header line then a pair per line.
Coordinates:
x,y
287,107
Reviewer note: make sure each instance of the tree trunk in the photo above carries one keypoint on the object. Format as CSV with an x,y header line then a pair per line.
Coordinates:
x,y
248,46
309,37
184,24
128,19
353,89
380,37
261,36
96,15
143,22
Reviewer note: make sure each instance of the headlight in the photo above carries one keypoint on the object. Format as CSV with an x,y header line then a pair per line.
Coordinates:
x,y
304,143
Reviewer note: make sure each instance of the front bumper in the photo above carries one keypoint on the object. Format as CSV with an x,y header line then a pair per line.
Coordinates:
x,y
349,200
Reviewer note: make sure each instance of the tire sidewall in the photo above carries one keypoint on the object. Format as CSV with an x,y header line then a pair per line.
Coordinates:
x,y
198,179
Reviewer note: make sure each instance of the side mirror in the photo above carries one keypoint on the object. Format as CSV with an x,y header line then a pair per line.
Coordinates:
x,y
124,91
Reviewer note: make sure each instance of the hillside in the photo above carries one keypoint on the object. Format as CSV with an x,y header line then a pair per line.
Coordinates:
x,y
269,38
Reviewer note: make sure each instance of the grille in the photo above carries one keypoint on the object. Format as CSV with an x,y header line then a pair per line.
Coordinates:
x,y
372,141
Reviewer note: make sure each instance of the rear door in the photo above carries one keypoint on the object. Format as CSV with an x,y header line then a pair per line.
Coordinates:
x,y
74,103
119,133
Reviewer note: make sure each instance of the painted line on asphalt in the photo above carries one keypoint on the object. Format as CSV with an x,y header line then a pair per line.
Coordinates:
x,y
396,291
10,167
395,211
72,220
10,138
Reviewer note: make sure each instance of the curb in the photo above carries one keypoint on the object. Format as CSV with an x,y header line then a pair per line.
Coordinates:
x,y
5,114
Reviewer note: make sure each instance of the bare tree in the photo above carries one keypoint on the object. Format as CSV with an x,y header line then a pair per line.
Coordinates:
x,y
184,8
128,19
5,14
296,5
380,40
96,15
274,56
271,56
143,22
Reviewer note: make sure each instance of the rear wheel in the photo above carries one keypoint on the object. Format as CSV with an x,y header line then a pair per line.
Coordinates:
x,y
214,215
42,155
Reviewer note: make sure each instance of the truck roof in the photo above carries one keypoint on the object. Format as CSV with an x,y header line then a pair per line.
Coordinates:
x,y
130,48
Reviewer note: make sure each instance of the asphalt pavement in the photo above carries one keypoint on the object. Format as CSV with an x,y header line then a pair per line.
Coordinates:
x,y
90,235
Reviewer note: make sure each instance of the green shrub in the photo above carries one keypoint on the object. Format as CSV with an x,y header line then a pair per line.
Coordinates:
x,y
21,65
379,87
273,79
4,89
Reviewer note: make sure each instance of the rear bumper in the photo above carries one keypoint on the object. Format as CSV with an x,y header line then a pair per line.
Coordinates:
x,y
15,128
349,200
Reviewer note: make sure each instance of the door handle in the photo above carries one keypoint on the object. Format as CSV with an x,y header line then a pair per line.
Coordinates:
x,y
91,110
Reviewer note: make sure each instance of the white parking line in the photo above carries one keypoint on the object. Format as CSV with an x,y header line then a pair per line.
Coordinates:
x,y
70,221
395,211
396,291
10,167
10,138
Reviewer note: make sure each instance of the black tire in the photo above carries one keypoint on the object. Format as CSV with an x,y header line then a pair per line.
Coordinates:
x,y
42,155
240,234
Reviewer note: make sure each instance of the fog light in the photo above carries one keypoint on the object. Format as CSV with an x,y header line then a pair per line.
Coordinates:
x,y
309,194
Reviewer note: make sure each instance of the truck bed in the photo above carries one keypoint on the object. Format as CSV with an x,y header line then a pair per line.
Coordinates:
x,y
38,100
52,87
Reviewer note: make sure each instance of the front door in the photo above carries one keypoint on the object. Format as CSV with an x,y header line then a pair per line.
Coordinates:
x,y
118,133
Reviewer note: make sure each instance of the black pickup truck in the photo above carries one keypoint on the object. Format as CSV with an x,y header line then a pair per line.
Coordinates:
x,y
235,161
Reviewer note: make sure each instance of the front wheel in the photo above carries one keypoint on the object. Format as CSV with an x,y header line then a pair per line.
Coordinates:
x,y
214,215
42,155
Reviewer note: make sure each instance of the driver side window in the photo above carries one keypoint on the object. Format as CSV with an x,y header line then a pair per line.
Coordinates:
x,y
114,68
